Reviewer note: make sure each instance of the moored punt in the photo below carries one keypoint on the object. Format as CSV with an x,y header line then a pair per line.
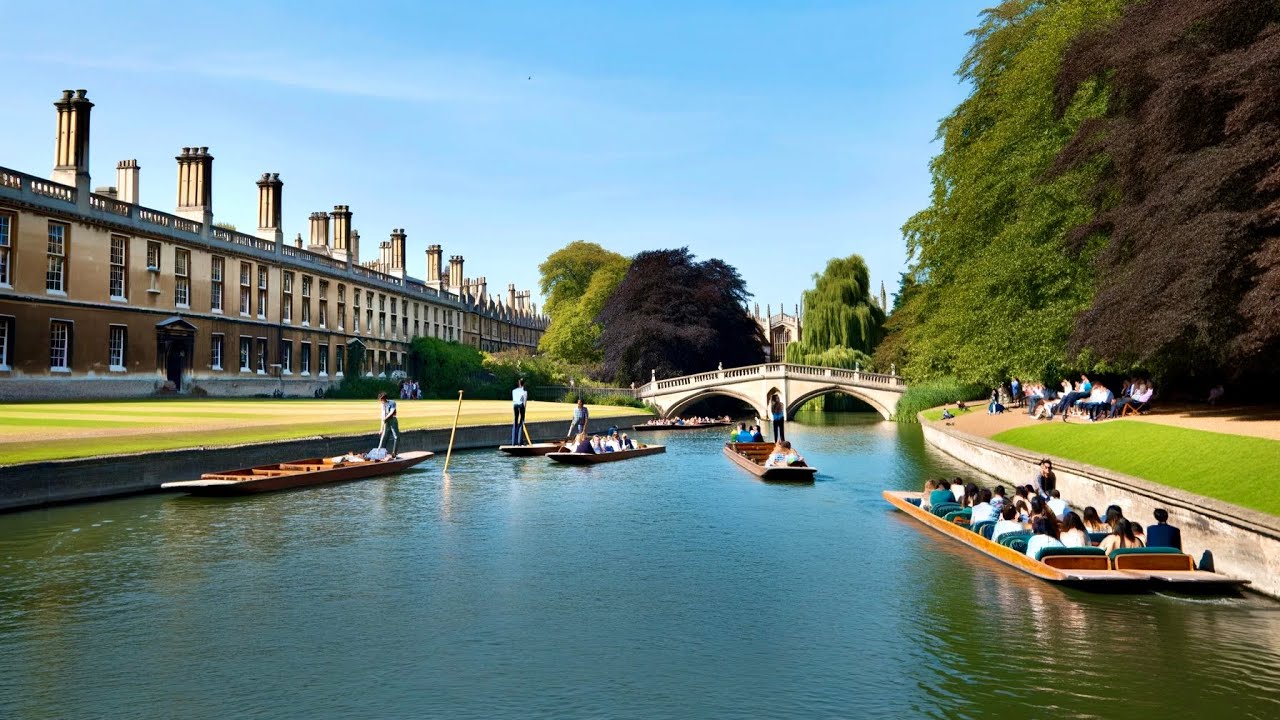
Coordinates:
x,y
299,473
685,426
531,450
1137,569
568,458
752,457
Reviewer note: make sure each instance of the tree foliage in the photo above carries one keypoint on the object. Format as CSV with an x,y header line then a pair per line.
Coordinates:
x,y
677,316
577,280
1191,200
999,286
842,323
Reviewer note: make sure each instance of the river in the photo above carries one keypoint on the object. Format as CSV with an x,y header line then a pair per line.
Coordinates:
x,y
674,586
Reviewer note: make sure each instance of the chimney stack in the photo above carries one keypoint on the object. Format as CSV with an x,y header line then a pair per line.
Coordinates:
x,y
297,241
319,231
355,246
270,193
341,231
483,290
398,243
511,295
71,154
195,184
455,271
384,255
434,254
127,181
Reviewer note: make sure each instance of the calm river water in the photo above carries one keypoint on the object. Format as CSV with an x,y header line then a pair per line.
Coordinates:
x,y
675,586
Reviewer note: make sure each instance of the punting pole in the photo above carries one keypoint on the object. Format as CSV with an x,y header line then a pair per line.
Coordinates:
x,y
453,432
525,428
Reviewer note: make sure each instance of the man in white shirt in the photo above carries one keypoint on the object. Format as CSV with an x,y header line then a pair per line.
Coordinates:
x,y
390,425
1007,523
1058,505
519,399
983,511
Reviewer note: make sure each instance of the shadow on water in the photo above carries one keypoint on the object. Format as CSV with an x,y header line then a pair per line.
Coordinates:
x,y
675,585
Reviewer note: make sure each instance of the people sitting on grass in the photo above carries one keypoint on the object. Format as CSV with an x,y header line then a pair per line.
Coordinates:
x,y
1093,523
1045,535
1008,523
983,511
1162,534
1138,399
994,407
1073,532
1122,537
1100,402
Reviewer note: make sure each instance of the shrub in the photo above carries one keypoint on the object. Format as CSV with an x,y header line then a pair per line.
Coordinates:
x,y
932,393
592,398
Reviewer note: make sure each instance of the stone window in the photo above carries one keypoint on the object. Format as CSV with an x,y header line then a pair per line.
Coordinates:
x,y
324,303
306,300
55,278
216,272
153,255
117,341
286,304
322,361
262,291
6,342
304,358
286,357
182,278
342,306
60,346
246,354
262,356
216,342
6,247
339,360
119,275
246,273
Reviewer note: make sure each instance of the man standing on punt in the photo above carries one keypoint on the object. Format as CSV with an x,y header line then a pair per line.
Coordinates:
x,y
519,398
580,417
389,423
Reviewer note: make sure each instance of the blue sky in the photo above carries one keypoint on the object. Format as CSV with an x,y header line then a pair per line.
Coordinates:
x,y
774,135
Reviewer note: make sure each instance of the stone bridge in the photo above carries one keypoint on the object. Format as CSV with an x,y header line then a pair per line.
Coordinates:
x,y
755,384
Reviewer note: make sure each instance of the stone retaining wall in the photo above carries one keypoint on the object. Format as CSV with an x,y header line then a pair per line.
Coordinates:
x,y
1241,542
44,483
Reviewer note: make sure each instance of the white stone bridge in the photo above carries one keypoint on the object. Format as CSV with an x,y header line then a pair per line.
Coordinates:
x,y
755,384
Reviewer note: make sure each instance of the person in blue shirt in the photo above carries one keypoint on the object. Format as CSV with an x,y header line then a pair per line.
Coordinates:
x,y
580,417
1162,534
744,435
756,435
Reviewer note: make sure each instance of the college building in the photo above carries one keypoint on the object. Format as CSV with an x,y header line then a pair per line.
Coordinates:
x,y
100,297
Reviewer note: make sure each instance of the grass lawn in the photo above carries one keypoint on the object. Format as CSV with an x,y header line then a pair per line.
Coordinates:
x,y
1234,468
935,414
58,431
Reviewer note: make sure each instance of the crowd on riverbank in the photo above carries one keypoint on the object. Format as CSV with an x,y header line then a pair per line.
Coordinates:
x,y
1082,398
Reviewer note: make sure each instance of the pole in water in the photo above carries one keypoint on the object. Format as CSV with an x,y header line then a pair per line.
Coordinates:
x,y
448,455
525,428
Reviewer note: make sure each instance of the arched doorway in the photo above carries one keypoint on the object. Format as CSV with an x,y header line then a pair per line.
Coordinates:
x,y
175,348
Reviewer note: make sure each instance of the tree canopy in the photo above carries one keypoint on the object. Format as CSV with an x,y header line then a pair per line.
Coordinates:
x,y
677,316
577,280
839,315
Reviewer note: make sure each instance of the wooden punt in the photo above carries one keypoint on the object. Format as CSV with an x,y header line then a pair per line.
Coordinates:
x,y
299,473
751,456
569,458
533,450
686,426
1126,573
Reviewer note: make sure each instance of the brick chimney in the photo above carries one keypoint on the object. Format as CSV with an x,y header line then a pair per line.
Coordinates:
x,y
342,231
195,185
319,223
398,242
434,255
127,181
455,272
71,154
270,193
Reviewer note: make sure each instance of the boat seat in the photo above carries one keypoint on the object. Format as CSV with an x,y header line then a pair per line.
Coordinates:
x,y
982,525
1151,558
1020,538
1097,537
959,517
987,531
272,473
1059,551
942,509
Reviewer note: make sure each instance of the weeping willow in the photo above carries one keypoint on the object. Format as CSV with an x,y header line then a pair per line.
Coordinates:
x,y
841,323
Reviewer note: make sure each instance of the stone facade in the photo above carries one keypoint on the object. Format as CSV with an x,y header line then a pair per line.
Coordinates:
x,y
101,297
780,329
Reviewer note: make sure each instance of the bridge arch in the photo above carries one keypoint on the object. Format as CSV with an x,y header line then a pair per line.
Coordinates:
x,y
799,401
755,404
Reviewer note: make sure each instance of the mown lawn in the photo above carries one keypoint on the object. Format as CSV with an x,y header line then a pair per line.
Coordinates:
x,y
57,431
1234,468
935,414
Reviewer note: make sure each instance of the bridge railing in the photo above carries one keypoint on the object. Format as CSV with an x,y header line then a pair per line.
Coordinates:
x,y
772,370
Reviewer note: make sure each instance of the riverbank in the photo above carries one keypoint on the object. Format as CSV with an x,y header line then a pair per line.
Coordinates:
x,y
37,484
36,432
1226,537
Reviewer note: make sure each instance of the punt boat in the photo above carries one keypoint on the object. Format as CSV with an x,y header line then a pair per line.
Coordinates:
x,y
569,458
296,474
752,456
1134,569
685,426
542,448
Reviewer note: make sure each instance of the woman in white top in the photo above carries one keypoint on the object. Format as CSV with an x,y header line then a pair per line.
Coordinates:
x,y
1042,538
1008,523
1073,532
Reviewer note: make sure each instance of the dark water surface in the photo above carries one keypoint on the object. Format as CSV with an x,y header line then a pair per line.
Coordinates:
x,y
675,586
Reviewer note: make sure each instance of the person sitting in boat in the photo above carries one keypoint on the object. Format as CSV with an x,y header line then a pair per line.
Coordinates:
x,y
756,435
970,495
1008,523
1040,510
983,511
1093,523
1057,504
596,444
626,442
1073,532
929,486
942,494
1114,516
743,434
784,455
1021,503
583,445
957,490
998,499
350,457
1044,532
1121,537
1162,534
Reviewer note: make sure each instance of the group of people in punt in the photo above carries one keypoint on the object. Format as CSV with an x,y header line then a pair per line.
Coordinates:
x,y
666,422
1038,507
612,441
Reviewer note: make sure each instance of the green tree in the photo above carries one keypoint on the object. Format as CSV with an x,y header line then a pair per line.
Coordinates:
x,y
839,315
577,280
999,282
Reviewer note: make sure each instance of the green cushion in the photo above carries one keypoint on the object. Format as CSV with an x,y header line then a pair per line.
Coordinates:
x,y
1050,551
982,526
942,509
1008,538
1145,551
1098,537
951,516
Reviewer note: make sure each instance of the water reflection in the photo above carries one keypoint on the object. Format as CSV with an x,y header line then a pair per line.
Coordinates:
x,y
673,586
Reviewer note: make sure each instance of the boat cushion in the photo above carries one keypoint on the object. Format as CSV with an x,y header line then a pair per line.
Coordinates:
x,y
1144,551
982,526
1008,539
942,509
1051,551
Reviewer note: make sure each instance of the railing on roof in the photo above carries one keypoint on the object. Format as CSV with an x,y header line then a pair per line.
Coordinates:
x,y
37,186
110,204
